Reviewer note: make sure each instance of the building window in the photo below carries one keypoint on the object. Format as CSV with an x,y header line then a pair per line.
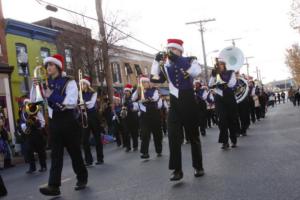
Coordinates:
x,y
21,49
138,70
116,73
128,69
68,57
45,52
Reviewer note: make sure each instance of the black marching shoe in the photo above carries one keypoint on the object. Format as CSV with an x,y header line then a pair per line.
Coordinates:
x,y
43,169
127,150
225,146
233,145
145,156
199,172
50,191
159,155
176,175
80,185
89,164
99,162
30,171
135,149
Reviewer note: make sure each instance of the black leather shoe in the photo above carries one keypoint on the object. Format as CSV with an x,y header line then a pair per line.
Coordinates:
x,y
80,185
127,150
225,146
233,145
145,156
159,155
199,173
176,176
43,169
100,162
50,191
30,171
89,164
135,149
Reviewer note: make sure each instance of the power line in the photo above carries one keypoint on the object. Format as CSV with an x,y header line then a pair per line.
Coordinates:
x,y
95,19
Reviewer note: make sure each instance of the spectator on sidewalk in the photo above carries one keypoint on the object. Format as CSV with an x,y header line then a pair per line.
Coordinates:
x,y
4,146
278,98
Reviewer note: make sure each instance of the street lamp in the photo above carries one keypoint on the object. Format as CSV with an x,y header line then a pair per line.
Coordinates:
x,y
23,61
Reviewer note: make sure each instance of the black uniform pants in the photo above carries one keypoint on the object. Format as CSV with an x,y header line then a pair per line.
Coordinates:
x,y
94,128
36,143
244,115
183,113
258,113
252,109
65,132
211,118
202,113
228,116
150,123
118,131
131,128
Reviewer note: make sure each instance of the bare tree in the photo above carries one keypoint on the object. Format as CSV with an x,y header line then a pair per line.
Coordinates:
x,y
295,13
293,61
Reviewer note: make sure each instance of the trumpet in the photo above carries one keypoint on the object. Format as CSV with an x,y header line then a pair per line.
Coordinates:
x,y
40,74
82,105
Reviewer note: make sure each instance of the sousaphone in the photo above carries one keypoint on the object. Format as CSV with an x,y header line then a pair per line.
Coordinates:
x,y
234,59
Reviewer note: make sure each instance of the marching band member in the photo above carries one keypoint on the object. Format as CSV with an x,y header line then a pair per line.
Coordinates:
x,y
244,114
211,115
180,71
62,96
150,116
164,108
263,101
93,125
256,93
116,120
34,139
226,105
130,119
251,100
201,96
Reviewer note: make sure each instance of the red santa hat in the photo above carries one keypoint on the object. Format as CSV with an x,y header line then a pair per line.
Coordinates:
x,y
117,97
175,43
128,87
86,80
57,59
144,79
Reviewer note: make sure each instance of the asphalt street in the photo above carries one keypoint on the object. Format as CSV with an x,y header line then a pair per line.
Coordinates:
x,y
265,166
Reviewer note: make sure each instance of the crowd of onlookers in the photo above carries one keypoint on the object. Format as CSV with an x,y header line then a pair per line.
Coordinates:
x,y
294,96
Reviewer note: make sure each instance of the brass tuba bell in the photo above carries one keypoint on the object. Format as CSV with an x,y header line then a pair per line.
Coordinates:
x,y
32,108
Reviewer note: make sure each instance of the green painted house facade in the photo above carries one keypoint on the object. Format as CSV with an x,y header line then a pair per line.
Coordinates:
x,y
36,42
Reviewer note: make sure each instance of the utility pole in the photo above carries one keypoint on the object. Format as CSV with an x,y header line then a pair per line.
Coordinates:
x,y
201,22
247,63
233,40
104,51
257,73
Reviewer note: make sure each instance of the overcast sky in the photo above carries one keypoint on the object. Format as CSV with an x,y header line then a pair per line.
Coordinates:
x,y
263,25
